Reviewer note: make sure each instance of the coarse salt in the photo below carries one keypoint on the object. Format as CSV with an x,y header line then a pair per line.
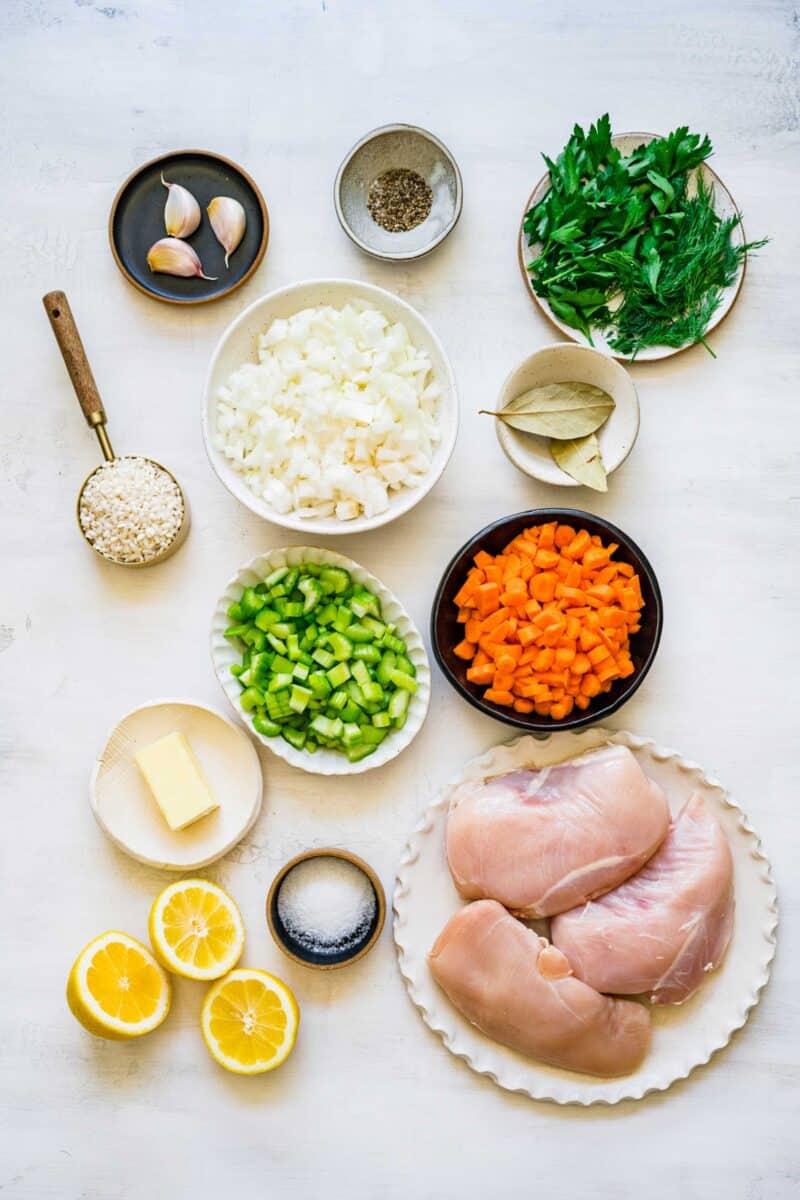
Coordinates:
x,y
326,904
131,510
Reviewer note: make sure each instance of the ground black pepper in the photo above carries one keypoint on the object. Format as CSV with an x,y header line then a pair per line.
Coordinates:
x,y
399,200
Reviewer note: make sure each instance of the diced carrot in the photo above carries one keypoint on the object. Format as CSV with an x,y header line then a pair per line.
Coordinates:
x,y
465,650
482,559
546,559
580,664
595,557
481,658
542,709
472,630
488,598
565,655
591,686
496,618
482,674
578,546
547,535
544,659
527,634
543,586
523,706
564,535
498,697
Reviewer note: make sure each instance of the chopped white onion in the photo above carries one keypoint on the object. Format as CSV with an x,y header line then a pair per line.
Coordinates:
x,y
340,410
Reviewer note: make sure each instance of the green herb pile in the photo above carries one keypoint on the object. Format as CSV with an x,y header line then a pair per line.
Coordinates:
x,y
632,244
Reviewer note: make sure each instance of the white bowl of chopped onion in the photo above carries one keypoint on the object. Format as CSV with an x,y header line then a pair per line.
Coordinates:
x,y
330,407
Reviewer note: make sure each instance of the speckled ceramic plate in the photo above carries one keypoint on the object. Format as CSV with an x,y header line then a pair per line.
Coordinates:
x,y
684,1037
726,207
224,654
137,221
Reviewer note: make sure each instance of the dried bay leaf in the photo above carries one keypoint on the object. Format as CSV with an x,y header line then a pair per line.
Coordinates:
x,y
558,410
582,461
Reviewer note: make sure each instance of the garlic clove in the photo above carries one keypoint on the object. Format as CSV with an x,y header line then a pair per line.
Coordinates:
x,y
171,256
228,220
181,212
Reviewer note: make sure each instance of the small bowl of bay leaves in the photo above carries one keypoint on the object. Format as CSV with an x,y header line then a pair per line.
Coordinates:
x,y
567,415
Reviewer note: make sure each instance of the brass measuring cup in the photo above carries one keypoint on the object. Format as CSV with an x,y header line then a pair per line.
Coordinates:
x,y
69,341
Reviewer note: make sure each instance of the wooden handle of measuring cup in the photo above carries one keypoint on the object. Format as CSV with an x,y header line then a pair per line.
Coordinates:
x,y
69,341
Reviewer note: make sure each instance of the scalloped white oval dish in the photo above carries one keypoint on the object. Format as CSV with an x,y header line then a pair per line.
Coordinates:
x,y
123,803
725,206
224,654
685,1036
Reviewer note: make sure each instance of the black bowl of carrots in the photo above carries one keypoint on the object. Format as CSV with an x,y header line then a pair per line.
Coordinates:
x,y
548,619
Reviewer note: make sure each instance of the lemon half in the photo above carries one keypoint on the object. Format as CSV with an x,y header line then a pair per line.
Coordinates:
x,y
250,1021
196,929
116,989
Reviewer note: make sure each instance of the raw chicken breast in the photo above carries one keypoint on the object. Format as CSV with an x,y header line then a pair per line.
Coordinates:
x,y
543,841
663,930
518,990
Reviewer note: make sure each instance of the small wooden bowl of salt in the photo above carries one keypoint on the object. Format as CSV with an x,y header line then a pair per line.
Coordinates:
x,y
326,908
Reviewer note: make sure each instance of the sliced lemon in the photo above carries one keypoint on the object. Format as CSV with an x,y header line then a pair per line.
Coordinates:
x,y
116,989
250,1021
196,929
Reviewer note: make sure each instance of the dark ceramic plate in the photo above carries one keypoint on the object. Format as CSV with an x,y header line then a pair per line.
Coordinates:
x,y
446,633
302,953
137,221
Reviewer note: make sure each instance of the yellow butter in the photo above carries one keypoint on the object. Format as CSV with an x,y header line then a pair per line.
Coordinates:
x,y
178,784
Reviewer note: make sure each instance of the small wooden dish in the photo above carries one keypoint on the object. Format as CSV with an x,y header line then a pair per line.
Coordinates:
x,y
309,958
137,222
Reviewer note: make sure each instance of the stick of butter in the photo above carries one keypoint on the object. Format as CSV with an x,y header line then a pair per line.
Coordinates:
x,y
178,784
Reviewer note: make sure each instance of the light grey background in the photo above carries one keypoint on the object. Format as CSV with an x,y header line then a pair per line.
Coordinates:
x,y
371,1104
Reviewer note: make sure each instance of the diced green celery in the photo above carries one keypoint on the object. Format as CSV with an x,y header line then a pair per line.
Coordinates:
x,y
343,618
251,602
323,657
290,581
361,674
367,654
401,680
279,682
299,698
359,633
382,720
351,734
364,603
293,647
405,664
295,737
319,684
376,628
254,638
326,727
282,629
334,580
372,735
276,643
237,669
236,631
355,693
351,712
281,665
386,665
300,671
398,705
293,610
235,613
357,752
277,705
339,674
251,698
373,692
266,618
312,593
338,700
326,615
341,646
276,576
265,727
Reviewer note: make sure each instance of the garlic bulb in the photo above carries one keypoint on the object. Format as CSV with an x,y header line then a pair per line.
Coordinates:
x,y
181,212
171,256
228,221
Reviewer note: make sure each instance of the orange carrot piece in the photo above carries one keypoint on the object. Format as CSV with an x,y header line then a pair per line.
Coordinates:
x,y
498,697
465,650
564,535
523,706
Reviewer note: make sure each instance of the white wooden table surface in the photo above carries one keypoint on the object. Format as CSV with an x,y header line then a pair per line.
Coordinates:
x,y
371,1104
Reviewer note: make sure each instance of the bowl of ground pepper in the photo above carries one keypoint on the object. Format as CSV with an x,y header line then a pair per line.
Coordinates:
x,y
398,193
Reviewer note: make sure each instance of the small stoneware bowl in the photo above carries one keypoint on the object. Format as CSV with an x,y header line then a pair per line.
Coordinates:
x,y
330,960
564,362
385,149
446,632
